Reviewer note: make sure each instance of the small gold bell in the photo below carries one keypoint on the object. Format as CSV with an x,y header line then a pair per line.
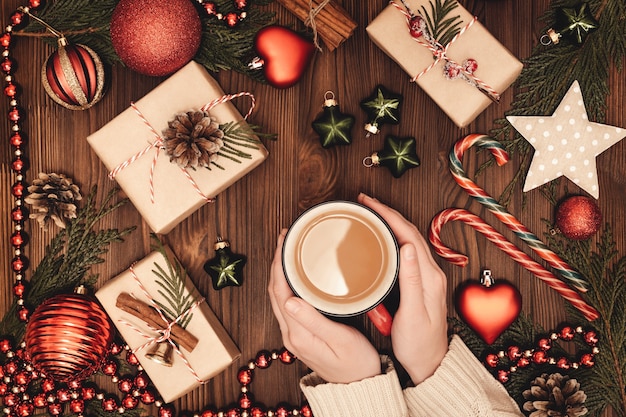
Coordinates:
x,y
161,353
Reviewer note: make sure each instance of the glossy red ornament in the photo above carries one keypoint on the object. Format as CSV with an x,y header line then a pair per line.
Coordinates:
x,y
73,76
68,336
263,359
578,217
77,406
155,37
488,308
147,397
129,402
285,55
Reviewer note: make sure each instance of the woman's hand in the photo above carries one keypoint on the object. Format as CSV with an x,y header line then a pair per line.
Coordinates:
x,y
419,330
336,352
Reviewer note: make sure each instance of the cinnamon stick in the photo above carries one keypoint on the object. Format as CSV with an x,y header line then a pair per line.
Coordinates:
x,y
333,24
148,314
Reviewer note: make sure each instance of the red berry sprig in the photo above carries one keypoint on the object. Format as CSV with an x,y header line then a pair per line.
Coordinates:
x,y
231,19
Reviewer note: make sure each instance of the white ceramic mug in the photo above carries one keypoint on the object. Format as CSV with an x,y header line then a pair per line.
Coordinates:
x,y
343,259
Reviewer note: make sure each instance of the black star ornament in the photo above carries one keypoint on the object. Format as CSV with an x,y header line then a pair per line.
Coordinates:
x,y
333,126
226,268
381,107
573,23
398,154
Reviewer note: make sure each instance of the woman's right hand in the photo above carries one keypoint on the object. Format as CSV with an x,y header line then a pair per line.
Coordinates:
x,y
419,330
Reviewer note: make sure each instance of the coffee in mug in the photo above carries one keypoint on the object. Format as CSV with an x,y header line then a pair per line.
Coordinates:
x,y
341,257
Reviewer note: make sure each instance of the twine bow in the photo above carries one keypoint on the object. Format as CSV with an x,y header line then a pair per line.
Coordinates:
x,y
310,20
164,334
440,53
158,145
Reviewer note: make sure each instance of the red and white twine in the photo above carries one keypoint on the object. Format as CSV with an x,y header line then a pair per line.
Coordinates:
x,y
158,144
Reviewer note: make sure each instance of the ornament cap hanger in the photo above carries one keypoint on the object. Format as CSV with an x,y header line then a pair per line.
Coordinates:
x,y
329,99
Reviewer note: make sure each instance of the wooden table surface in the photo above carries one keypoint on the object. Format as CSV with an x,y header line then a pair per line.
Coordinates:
x,y
299,173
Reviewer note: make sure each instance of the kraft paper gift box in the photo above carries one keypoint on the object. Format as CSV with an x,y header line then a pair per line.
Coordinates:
x,y
461,101
175,196
214,352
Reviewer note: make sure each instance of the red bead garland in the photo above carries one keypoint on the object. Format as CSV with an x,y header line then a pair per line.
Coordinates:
x,y
19,239
231,19
517,358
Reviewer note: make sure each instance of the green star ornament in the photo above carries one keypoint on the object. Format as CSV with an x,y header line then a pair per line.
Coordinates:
x,y
381,107
333,127
398,154
226,268
574,23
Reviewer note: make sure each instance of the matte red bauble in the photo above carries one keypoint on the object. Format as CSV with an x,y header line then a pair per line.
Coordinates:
x,y
578,217
73,76
68,336
488,307
155,37
285,55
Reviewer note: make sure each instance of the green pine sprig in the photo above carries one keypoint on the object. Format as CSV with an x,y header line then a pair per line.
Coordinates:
x,y
550,70
237,135
441,27
69,257
172,286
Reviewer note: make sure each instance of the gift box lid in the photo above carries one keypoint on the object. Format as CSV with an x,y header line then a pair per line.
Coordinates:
x,y
460,100
215,349
177,193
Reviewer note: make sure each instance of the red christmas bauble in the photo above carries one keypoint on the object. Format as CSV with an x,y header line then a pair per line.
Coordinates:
x,y
489,310
578,217
155,37
68,336
73,76
284,53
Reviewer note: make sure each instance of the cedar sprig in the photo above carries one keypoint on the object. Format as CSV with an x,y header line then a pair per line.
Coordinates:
x,y
238,134
172,286
69,257
550,70
441,27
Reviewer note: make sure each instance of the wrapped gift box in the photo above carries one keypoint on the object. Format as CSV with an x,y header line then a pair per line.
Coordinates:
x,y
214,351
461,101
175,197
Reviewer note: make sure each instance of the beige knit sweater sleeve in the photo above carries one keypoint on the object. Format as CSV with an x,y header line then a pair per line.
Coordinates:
x,y
460,387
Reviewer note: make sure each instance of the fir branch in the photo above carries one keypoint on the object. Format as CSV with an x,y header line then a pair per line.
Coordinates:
x,y
441,28
69,257
550,70
172,283
221,48
606,275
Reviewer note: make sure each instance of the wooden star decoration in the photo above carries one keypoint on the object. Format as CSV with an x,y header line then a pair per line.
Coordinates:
x,y
566,143
333,127
226,268
398,155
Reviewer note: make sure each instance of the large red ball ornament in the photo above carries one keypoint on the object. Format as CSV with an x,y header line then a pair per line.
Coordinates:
x,y
73,76
578,217
68,336
155,37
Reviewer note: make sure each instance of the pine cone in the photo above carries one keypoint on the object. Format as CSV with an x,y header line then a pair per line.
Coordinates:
x,y
555,395
52,197
193,139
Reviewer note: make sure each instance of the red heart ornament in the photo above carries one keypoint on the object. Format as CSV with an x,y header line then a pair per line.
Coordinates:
x,y
489,308
285,55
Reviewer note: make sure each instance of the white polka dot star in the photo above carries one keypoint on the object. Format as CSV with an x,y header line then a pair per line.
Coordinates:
x,y
566,143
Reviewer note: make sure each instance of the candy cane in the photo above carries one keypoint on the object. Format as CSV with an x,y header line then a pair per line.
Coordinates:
x,y
571,276
500,241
